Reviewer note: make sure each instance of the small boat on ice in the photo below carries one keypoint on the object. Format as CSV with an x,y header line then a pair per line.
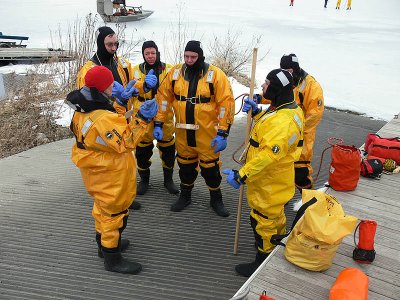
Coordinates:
x,y
116,11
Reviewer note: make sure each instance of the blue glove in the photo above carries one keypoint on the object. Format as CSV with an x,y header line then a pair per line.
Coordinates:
x,y
150,81
158,131
148,110
219,141
257,98
249,104
117,89
129,90
233,178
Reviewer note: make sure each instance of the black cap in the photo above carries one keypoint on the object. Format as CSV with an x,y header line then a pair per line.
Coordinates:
x,y
280,89
149,44
102,52
194,46
290,62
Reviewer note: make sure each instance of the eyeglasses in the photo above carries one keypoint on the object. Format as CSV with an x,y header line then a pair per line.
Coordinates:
x,y
110,45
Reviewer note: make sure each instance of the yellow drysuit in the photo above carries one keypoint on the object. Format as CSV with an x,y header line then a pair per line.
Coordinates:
x,y
144,150
103,153
275,145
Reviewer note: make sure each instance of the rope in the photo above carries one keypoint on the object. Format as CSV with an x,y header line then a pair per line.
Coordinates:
x,y
332,141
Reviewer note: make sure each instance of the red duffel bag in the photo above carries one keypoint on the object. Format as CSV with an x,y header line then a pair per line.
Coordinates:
x,y
344,171
383,147
351,284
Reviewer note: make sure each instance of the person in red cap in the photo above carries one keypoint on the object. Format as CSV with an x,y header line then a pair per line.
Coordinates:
x,y
203,103
103,153
121,68
166,145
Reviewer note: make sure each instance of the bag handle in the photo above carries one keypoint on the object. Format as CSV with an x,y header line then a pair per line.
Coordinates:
x,y
277,238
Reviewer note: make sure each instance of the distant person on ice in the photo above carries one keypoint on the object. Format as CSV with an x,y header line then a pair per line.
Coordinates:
x,y
348,4
326,3
275,144
121,68
291,2
103,153
338,4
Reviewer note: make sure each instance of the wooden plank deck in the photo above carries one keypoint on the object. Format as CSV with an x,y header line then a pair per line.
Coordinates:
x,y
373,199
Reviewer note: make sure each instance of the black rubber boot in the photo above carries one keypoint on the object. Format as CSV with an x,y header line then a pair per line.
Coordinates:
x,y
114,262
247,269
144,182
124,245
217,204
135,205
168,182
185,198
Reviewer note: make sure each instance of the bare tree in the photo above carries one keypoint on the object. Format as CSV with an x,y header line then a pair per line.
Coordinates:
x,y
233,56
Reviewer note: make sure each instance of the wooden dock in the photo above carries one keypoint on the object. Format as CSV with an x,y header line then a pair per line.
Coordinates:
x,y
33,55
374,200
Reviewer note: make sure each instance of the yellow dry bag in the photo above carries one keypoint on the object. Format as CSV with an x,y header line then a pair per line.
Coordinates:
x,y
314,239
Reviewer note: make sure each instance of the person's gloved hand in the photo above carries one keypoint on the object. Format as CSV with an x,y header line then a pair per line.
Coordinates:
x,y
249,104
117,89
219,141
158,131
148,110
150,81
257,98
130,90
233,178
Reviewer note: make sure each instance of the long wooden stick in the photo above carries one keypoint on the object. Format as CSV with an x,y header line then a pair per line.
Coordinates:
x,y
248,128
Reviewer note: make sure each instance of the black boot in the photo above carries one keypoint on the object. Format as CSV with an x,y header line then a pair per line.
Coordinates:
x,y
185,198
114,262
144,182
124,245
247,269
168,182
217,204
135,205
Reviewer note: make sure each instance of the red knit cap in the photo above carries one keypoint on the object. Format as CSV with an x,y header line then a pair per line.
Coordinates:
x,y
99,77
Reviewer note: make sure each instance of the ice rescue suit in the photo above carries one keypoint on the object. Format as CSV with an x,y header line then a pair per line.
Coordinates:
x,y
275,144
103,153
202,105
166,147
309,96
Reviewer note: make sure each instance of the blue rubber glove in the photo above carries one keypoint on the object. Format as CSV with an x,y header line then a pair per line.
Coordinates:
x,y
150,81
158,131
257,98
117,89
148,110
233,178
219,141
129,90
249,104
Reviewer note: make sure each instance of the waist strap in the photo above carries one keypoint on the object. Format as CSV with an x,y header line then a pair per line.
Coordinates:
x,y
193,100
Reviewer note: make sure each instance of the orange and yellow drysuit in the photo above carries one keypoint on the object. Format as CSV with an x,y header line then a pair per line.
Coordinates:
x,y
103,153
275,144
166,147
202,105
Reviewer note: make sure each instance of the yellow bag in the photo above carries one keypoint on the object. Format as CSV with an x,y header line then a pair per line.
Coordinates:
x,y
313,241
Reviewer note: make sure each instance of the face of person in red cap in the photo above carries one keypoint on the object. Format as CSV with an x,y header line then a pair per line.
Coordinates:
x,y
101,78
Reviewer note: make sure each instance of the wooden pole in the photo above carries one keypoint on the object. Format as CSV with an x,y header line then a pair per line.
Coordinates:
x,y
248,128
